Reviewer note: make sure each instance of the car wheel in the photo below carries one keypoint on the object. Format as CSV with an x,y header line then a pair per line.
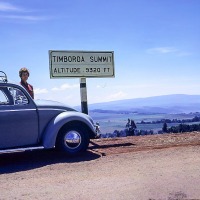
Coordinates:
x,y
73,140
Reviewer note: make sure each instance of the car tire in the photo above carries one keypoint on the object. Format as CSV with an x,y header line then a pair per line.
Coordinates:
x,y
73,140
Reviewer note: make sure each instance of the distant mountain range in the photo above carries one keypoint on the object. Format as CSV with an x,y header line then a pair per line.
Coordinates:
x,y
176,103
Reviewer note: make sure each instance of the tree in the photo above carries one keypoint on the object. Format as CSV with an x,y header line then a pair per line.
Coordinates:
x,y
164,128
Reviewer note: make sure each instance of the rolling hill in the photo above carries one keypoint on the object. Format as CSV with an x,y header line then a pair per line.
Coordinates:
x,y
176,103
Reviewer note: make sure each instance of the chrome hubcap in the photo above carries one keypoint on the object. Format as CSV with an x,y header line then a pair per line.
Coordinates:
x,y
72,139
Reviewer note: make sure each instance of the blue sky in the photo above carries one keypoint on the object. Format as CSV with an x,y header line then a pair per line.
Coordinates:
x,y
156,45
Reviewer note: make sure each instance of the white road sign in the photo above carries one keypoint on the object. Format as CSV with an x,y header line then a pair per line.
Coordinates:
x,y
81,64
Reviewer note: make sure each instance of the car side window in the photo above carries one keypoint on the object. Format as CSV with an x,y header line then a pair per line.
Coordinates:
x,y
19,97
3,98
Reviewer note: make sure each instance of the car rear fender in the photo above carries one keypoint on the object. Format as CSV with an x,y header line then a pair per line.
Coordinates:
x,y
52,130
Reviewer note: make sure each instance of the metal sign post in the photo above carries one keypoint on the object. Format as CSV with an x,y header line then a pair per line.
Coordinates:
x,y
83,91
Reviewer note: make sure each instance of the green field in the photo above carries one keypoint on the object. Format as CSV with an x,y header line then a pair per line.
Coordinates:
x,y
112,121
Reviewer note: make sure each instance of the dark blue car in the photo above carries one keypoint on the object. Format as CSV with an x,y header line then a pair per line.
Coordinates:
x,y
27,124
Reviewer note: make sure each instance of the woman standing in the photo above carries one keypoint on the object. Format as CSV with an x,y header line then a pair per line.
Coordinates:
x,y
24,74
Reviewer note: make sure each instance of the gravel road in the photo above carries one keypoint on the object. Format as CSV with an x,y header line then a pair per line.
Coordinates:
x,y
167,173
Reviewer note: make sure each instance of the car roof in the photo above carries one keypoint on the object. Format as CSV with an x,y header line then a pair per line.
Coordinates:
x,y
4,80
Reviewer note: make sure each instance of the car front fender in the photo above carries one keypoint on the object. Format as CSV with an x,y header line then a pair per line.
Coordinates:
x,y
52,130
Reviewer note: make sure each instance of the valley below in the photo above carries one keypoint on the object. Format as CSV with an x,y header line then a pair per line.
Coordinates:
x,y
109,122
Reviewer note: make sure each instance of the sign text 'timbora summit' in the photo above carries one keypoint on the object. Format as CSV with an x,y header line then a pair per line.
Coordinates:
x,y
81,64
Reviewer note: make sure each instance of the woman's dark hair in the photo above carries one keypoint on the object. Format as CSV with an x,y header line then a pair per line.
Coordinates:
x,y
22,70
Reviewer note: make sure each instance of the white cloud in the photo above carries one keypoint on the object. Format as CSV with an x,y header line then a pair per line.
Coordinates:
x,y
40,91
162,50
63,97
24,17
16,13
168,50
65,87
66,93
8,7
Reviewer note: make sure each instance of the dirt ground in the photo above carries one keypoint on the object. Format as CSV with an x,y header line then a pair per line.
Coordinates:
x,y
160,167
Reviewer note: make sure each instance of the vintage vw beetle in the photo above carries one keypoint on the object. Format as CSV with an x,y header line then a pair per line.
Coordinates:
x,y
27,124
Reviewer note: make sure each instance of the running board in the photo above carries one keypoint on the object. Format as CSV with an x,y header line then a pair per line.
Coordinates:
x,y
21,149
